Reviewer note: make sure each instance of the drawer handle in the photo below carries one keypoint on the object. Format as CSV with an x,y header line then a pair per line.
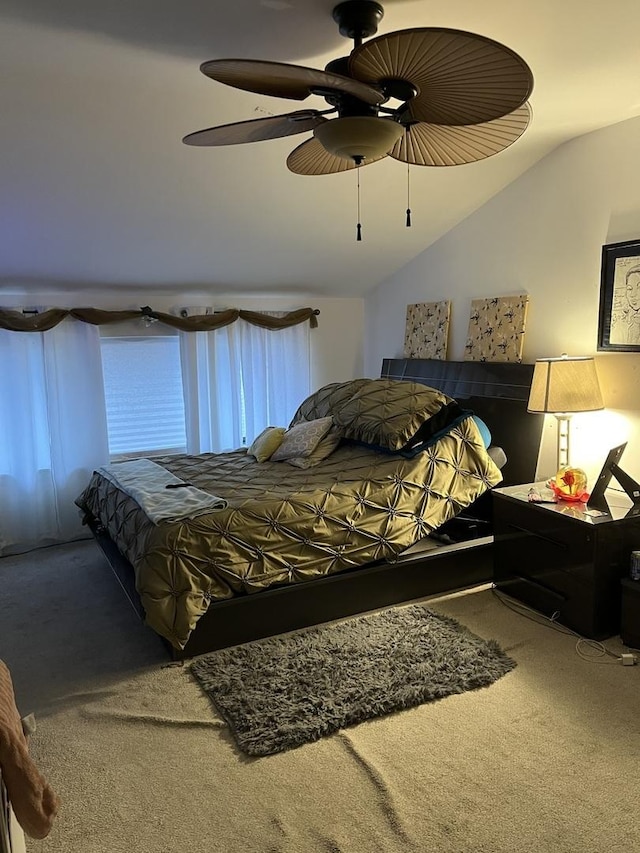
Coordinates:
x,y
538,535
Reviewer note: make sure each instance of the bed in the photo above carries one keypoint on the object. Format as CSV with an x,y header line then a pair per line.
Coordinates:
x,y
285,544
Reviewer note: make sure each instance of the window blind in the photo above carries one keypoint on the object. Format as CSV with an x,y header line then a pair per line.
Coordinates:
x,y
143,394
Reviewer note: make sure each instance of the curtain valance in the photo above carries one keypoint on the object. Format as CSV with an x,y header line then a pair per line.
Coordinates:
x,y
16,321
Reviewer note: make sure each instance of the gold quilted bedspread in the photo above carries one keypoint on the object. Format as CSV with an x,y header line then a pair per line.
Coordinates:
x,y
285,524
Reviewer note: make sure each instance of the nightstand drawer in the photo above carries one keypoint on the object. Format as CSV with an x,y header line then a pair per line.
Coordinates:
x,y
575,609
524,569
543,547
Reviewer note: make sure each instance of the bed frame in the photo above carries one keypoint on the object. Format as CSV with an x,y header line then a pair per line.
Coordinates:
x,y
496,391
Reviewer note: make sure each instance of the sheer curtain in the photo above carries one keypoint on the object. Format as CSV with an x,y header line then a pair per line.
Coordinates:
x,y
53,431
240,379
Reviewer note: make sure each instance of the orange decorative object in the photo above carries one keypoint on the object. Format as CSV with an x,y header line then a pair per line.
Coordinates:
x,y
570,484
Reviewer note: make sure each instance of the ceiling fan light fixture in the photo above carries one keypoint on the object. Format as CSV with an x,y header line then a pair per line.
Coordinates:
x,y
359,138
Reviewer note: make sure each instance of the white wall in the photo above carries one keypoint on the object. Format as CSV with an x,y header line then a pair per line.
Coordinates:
x,y
336,345
543,236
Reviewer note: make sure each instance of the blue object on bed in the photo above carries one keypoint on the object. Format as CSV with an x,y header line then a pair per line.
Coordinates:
x,y
485,432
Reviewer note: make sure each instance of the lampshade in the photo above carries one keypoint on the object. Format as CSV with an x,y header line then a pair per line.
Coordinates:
x,y
562,386
359,137
566,384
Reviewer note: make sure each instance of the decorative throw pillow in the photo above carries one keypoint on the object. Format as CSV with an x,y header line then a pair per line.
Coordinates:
x,y
265,444
302,439
388,413
324,449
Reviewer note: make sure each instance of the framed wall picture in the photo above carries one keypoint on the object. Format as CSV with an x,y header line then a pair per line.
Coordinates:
x,y
619,317
496,329
427,330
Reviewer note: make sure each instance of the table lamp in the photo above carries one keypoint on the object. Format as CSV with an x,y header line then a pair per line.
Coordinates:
x,y
562,386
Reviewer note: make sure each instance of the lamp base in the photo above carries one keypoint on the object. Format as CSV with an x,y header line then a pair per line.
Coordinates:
x,y
563,439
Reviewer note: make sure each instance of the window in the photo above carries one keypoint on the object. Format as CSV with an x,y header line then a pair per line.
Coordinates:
x,y
199,392
143,395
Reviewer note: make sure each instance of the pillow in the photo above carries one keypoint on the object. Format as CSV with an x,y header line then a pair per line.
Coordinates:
x,y
324,449
389,413
265,444
483,429
302,439
498,456
327,400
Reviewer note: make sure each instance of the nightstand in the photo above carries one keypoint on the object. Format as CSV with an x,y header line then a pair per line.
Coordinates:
x,y
564,558
630,618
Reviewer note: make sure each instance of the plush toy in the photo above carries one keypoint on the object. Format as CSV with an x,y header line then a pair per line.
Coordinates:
x,y
34,803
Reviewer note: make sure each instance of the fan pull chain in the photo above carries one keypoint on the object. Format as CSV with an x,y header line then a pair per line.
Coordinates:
x,y
408,223
359,226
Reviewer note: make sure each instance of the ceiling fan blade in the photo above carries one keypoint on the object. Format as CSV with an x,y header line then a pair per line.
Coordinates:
x,y
461,78
310,158
256,130
426,144
286,81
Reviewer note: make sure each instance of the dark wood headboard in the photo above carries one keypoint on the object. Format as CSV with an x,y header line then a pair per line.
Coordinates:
x,y
497,392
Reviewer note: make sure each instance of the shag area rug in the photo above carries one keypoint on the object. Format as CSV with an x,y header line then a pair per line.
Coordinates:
x,y
281,692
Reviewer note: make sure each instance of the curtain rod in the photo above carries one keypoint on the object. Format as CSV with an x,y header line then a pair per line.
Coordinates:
x,y
18,321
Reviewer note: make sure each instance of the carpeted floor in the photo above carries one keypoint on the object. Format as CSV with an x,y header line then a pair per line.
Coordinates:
x,y
544,760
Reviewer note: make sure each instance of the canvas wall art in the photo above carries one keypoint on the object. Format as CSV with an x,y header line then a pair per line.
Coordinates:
x,y
427,330
496,329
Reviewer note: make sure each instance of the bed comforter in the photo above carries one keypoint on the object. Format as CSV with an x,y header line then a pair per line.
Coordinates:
x,y
283,524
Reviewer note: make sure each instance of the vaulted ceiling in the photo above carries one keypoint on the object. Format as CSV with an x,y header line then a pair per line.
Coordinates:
x,y
97,188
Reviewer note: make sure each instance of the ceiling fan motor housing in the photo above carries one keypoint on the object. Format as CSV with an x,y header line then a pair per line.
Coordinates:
x,y
358,19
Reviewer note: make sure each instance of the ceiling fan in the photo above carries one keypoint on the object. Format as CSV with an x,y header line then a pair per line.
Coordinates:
x,y
459,97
